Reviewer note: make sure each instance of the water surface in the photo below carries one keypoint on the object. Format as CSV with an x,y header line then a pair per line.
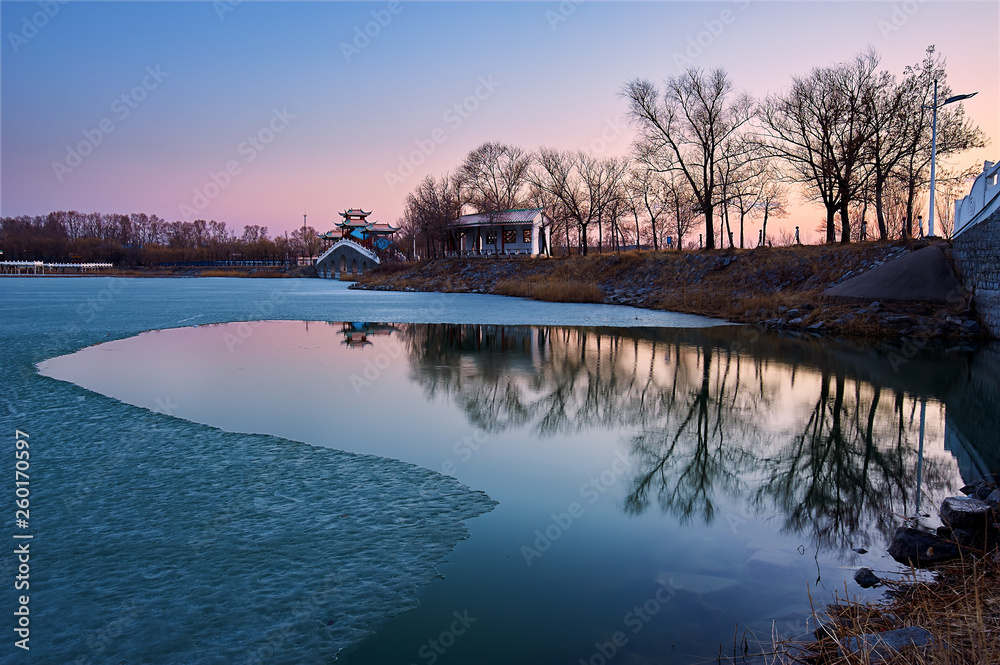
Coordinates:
x,y
656,486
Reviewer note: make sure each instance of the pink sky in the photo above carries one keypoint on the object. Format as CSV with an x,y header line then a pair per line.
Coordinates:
x,y
340,119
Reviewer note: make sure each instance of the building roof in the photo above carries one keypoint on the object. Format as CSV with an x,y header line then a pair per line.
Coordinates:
x,y
355,212
352,223
381,227
518,216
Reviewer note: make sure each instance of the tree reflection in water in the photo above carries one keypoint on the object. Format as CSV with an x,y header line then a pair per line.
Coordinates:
x,y
818,434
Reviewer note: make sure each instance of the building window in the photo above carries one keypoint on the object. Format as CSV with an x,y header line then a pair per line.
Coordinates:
x,y
509,236
527,236
491,237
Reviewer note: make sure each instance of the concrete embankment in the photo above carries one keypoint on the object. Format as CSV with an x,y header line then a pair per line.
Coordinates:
x,y
977,256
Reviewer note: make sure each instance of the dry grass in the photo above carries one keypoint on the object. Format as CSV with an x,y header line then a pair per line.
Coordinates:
x,y
742,286
960,607
241,273
550,290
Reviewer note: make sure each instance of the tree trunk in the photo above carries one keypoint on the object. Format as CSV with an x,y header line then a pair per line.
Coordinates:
x,y
845,222
677,216
911,193
709,227
831,214
729,229
583,239
742,217
883,232
763,228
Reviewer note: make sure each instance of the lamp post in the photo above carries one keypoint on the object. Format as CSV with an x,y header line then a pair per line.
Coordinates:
x,y
955,98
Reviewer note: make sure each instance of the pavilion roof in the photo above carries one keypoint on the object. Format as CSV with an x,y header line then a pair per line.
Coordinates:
x,y
355,212
518,216
352,223
381,227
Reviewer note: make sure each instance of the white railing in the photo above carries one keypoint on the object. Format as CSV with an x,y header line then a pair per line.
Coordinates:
x,y
350,243
42,266
982,200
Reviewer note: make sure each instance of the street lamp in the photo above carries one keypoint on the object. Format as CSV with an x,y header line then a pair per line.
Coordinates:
x,y
930,213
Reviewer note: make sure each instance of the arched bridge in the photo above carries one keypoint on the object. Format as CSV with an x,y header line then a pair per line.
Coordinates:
x,y
346,260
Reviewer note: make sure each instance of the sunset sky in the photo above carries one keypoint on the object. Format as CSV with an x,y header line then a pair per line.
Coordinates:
x,y
256,112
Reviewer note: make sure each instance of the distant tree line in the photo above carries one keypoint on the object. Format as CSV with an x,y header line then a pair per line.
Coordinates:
x,y
139,239
852,137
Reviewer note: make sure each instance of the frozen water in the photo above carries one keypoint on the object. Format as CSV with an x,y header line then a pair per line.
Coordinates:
x,y
157,540
234,541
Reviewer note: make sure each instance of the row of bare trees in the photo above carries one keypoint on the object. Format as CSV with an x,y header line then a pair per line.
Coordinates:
x,y
141,239
845,134
619,201
848,136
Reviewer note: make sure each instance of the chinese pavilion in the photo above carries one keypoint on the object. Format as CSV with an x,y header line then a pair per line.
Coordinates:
x,y
356,227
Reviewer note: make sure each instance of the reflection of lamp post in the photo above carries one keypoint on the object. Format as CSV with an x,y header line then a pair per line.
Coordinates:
x,y
930,213
920,453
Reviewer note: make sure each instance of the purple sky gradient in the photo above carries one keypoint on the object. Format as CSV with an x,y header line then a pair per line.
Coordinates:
x,y
330,122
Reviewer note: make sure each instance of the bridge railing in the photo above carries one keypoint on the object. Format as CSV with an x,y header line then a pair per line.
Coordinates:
x,y
982,200
350,243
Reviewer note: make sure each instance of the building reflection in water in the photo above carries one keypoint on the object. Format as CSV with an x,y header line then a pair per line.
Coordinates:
x,y
359,334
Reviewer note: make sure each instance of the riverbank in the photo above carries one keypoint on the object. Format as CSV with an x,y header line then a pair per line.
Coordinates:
x,y
774,287
950,619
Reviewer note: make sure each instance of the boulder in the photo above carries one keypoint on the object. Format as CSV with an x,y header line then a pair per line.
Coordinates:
x,y
979,489
966,512
866,579
920,548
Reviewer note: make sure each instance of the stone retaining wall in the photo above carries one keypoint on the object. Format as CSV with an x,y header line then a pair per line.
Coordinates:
x,y
977,255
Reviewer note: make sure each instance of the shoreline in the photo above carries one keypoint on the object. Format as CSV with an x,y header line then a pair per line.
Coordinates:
x,y
187,271
779,288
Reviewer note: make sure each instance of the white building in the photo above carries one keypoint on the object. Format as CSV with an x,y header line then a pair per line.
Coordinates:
x,y
527,231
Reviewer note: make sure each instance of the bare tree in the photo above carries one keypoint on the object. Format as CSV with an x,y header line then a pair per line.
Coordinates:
x,y
686,128
430,209
820,128
647,194
585,186
773,200
493,177
956,133
682,205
